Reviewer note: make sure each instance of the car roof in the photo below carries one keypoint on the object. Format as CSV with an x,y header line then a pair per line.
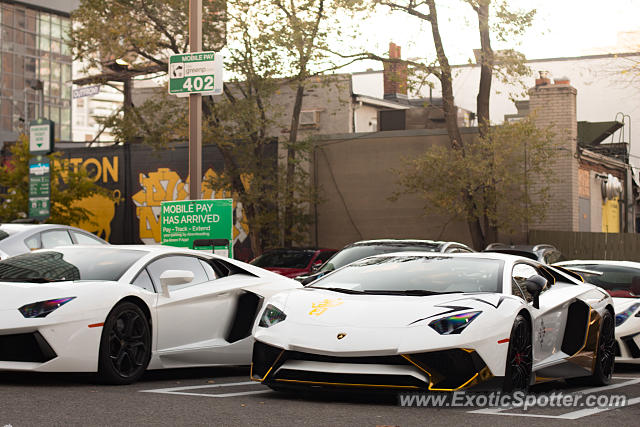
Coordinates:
x,y
143,247
310,249
524,248
402,242
150,249
480,255
601,262
11,228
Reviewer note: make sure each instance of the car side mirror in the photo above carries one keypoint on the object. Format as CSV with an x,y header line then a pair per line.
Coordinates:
x,y
535,284
174,278
316,265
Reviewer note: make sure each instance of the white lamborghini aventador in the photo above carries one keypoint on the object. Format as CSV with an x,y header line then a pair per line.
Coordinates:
x,y
424,321
622,280
118,310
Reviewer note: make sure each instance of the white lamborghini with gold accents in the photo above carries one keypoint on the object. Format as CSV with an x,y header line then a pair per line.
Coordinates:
x,y
622,280
438,322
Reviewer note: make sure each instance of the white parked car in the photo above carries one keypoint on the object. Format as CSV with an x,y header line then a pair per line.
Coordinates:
x,y
21,238
119,310
438,322
622,280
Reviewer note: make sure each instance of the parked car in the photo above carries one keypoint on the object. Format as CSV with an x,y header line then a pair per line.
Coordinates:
x,y
436,322
622,280
118,310
21,238
365,248
545,253
293,262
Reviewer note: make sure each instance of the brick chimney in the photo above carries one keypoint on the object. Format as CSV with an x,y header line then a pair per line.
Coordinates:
x,y
395,75
555,105
544,80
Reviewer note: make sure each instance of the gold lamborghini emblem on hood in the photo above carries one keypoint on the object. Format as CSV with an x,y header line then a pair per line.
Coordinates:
x,y
341,335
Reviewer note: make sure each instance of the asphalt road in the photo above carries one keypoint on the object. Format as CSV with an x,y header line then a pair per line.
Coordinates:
x,y
225,396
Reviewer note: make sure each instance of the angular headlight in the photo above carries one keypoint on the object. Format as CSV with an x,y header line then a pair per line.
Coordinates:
x,y
42,308
453,324
271,316
621,317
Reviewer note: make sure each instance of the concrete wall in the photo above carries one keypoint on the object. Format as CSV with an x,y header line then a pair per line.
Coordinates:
x,y
354,173
329,97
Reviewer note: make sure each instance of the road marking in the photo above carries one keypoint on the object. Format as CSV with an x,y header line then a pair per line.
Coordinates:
x,y
574,415
581,413
178,390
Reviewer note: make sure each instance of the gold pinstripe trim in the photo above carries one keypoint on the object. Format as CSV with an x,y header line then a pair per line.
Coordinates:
x,y
267,374
486,373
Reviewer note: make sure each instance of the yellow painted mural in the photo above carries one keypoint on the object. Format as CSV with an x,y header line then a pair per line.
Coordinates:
x,y
161,185
102,211
166,185
102,170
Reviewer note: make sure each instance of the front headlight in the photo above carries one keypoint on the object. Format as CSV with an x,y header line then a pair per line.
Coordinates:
x,y
623,316
453,324
42,308
271,316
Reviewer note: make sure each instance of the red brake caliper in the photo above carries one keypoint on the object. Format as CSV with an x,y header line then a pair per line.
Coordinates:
x,y
518,359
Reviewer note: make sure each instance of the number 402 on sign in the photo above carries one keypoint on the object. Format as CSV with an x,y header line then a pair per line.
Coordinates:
x,y
198,72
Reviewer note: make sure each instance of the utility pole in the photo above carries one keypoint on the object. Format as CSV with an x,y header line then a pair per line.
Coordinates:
x,y
195,105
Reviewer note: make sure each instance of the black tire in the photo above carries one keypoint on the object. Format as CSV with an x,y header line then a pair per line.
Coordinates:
x,y
605,358
125,345
519,365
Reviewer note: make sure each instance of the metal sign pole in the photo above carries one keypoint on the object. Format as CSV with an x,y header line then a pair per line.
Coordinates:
x,y
195,105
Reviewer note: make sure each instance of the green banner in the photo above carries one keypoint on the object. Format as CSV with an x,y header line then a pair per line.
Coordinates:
x,y
185,221
39,188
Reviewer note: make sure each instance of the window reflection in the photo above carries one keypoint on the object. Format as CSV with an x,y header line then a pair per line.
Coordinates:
x,y
27,35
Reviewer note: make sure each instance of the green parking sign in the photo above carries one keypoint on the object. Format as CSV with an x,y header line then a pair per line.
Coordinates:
x,y
198,72
185,221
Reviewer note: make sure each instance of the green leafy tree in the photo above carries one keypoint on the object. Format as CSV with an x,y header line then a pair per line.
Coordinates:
x,y
239,123
503,165
142,32
495,19
67,186
302,30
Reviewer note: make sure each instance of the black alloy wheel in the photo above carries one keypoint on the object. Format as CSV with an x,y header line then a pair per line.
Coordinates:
x,y
519,357
605,356
125,345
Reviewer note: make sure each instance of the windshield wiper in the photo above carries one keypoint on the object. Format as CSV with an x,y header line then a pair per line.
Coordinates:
x,y
422,292
341,290
411,292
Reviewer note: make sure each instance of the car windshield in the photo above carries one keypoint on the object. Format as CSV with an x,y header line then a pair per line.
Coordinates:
x,y
354,253
284,259
69,264
619,281
3,234
419,275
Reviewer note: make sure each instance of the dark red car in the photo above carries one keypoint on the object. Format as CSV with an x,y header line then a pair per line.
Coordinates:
x,y
293,262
